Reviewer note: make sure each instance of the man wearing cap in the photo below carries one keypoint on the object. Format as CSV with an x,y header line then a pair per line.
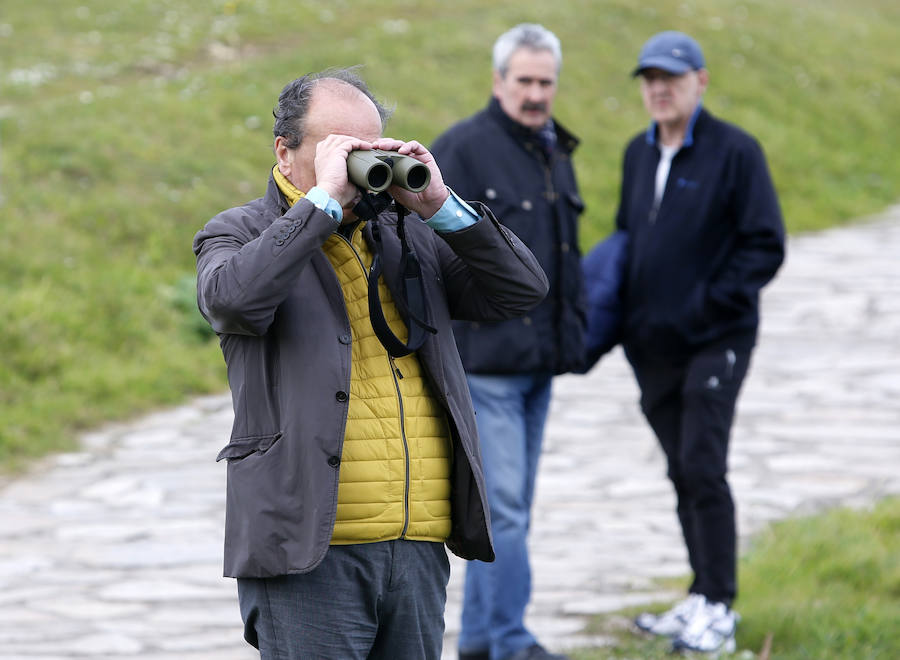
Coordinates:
x,y
705,235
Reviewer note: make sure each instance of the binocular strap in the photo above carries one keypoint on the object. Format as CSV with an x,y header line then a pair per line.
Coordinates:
x,y
413,292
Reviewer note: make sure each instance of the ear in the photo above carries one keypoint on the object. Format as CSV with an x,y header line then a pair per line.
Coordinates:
x,y
284,156
497,81
703,79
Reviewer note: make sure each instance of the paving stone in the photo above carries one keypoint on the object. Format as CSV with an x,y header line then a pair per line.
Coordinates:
x,y
615,602
166,593
103,644
82,608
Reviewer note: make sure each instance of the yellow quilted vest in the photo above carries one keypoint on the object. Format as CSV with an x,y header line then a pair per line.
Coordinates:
x,y
395,466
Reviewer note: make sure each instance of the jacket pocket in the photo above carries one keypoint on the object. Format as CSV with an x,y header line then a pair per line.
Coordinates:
x,y
242,447
511,209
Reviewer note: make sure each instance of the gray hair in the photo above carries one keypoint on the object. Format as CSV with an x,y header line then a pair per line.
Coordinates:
x,y
293,102
525,35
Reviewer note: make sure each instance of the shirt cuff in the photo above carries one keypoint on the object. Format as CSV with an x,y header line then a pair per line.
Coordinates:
x,y
454,215
323,201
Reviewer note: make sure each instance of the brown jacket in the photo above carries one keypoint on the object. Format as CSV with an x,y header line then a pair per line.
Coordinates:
x,y
270,293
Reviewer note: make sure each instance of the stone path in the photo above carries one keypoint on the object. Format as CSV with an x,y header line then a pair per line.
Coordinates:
x,y
115,551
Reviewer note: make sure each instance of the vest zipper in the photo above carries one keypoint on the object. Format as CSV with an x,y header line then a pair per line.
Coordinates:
x,y
397,375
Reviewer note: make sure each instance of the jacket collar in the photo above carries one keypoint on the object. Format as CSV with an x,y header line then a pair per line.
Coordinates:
x,y
274,198
565,141
698,119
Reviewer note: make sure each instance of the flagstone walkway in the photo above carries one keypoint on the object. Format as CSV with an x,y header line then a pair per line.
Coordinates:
x,y
115,551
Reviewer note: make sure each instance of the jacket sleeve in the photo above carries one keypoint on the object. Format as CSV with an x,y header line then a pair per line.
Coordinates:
x,y
604,273
243,277
489,274
759,248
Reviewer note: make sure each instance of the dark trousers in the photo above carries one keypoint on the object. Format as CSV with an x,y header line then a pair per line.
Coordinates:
x,y
690,406
368,601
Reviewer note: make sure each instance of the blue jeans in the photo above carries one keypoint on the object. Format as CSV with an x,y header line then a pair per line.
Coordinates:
x,y
510,412
372,600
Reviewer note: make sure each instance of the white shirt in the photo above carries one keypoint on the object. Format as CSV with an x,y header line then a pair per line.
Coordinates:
x,y
662,170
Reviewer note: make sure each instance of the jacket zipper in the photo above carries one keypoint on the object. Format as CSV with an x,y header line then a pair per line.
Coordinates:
x,y
550,191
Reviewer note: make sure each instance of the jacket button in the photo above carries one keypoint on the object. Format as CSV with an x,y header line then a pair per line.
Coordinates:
x,y
344,339
564,247
334,461
341,396
526,320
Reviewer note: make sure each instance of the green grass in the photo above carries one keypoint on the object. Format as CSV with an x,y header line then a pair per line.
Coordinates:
x,y
826,587
125,126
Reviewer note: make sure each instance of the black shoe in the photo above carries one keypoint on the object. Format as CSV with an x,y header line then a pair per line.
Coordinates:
x,y
479,655
536,652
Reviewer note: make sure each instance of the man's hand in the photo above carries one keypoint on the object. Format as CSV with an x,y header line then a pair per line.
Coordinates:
x,y
331,167
429,201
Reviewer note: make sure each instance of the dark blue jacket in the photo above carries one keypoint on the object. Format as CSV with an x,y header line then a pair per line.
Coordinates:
x,y
490,158
697,262
604,273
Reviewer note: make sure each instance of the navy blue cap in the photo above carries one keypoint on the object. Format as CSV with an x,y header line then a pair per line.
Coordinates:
x,y
670,51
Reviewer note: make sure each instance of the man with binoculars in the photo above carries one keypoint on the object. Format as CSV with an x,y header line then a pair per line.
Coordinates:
x,y
354,453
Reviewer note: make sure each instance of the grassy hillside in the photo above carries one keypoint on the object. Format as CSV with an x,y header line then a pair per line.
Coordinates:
x,y
125,126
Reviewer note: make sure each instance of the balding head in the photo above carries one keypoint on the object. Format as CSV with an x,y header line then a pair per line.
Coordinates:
x,y
294,101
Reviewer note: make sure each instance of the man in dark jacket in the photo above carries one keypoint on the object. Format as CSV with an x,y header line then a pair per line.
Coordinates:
x,y
517,158
354,452
705,235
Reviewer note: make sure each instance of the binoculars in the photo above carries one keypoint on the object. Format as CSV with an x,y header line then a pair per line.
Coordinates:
x,y
376,169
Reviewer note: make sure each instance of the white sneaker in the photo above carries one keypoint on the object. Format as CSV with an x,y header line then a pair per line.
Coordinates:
x,y
710,630
673,622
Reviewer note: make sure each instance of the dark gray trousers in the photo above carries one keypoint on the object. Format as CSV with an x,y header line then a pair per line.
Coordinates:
x,y
367,601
